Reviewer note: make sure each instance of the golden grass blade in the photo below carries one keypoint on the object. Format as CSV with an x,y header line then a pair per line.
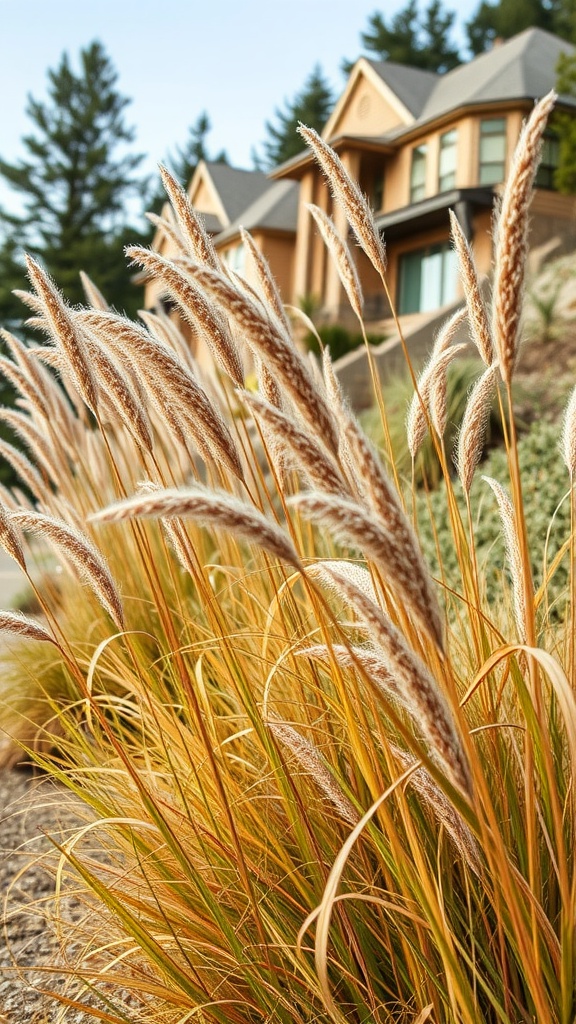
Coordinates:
x,y
9,538
265,277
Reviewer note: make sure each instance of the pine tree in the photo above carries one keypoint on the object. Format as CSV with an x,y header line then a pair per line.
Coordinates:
x,y
421,40
74,183
186,159
312,106
503,20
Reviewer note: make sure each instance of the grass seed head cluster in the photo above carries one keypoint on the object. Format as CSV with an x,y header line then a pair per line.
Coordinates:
x,y
325,785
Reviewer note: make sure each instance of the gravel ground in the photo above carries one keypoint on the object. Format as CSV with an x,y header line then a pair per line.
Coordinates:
x,y
29,809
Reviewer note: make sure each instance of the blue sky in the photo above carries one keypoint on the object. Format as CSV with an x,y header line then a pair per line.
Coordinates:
x,y
236,60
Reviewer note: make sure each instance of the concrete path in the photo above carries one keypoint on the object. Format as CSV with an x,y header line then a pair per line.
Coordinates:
x,y
12,581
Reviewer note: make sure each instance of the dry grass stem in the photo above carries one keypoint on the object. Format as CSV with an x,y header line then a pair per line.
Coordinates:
x,y
508,520
421,693
342,258
310,760
477,315
87,561
169,229
209,508
27,472
511,238
472,434
350,197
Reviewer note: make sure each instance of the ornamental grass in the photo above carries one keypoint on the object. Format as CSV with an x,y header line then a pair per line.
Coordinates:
x,y
325,785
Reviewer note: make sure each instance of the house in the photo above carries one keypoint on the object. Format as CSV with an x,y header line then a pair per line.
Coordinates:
x,y
420,144
227,199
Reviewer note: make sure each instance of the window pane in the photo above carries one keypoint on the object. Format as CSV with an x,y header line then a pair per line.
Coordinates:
x,y
447,166
428,279
418,174
492,156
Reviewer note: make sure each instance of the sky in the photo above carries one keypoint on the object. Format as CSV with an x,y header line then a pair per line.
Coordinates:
x,y
238,61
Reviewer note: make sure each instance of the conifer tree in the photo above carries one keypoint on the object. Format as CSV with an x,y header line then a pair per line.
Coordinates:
x,y
312,106
184,162
74,182
419,39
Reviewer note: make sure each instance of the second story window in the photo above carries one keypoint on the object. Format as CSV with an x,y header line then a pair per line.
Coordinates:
x,y
549,162
492,162
447,161
418,174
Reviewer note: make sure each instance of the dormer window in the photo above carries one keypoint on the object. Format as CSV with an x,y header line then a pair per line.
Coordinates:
x,y
447,161
492,164
418,173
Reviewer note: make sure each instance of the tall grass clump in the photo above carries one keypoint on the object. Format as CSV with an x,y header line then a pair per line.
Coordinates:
x,y
326,785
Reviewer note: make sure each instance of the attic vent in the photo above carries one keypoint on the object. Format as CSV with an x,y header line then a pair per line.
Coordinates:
x,y
364,104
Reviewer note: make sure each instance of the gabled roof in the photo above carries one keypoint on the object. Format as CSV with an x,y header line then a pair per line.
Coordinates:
x,y
523,67
237,189
412,86
276,210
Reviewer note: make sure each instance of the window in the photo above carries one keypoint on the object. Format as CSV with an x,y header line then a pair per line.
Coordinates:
x,y
428,279
418,174
447,162
549,162
234,257
492,151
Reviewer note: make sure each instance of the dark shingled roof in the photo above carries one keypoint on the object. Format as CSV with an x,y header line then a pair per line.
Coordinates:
x,y
237,189
524,67
276,210
412,86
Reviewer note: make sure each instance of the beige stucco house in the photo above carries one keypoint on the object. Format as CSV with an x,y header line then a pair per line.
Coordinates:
x,y
420,144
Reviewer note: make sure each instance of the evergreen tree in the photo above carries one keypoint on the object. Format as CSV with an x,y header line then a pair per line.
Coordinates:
x,y
186,159
74,184
312,106
502,19
421,40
